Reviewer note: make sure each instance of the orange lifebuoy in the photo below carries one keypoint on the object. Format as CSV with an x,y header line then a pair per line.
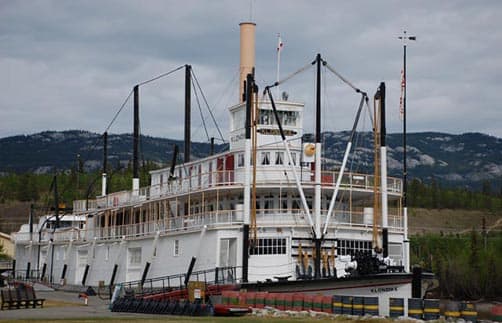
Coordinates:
x,y
309,150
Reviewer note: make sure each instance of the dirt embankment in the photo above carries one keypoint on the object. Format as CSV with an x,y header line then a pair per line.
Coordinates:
x,y
13,215
452,221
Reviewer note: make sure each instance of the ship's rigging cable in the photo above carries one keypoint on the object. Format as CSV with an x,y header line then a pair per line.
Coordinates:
x,y
200,109
301,70
161,75
129,96
364,101
109,126
118,112
341,77
207,105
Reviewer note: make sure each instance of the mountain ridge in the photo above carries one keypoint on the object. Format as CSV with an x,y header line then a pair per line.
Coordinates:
x,y
457,160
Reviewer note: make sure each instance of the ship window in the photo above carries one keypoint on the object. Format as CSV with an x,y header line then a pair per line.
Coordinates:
x,y
290,118
210,170
240,160
279,157
269,246
295,204
284,201
293,158
266,117
177,250
265,158
268,203
135,256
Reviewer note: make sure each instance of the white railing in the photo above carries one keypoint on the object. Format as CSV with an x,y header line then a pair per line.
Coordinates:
x,y
219,179
264,217
345,218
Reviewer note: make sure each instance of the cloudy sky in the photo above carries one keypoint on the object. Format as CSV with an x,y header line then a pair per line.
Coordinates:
x,y
71,64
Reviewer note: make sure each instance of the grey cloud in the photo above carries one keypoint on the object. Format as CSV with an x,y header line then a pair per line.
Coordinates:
x,y
70,64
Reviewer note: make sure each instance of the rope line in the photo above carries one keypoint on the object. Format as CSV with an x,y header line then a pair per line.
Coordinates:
x,y
161,76
207,105
304,68
200,109
341,77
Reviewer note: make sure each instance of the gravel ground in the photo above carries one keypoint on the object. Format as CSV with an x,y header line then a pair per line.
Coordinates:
x,y
66,305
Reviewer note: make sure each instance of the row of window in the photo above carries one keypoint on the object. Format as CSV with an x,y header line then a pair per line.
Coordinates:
x,y
268,158
287,118
264,158
271,246
267,117
350,247
268,246
134,254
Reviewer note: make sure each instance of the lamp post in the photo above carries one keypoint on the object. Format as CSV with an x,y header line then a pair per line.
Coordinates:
x,y
405,37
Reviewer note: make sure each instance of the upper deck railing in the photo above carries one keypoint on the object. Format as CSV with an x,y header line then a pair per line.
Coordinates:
x,y
279,177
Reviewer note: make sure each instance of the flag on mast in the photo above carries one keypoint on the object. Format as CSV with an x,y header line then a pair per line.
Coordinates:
x,y
280,45
401,99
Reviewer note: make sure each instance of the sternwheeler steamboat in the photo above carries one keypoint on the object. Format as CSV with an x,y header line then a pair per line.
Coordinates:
x,y
262,215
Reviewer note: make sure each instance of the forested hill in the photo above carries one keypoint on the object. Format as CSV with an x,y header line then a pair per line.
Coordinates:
x,y
466,160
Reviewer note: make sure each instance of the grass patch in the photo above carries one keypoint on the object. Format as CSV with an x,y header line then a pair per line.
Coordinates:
x,y
56,303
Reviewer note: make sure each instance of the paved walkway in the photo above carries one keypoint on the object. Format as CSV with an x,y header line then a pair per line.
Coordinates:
x,y
73,309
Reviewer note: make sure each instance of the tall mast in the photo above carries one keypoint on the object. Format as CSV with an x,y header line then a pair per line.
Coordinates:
x,y
188,118
247,177
135,165
105,164
377,201
317,193
383,171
